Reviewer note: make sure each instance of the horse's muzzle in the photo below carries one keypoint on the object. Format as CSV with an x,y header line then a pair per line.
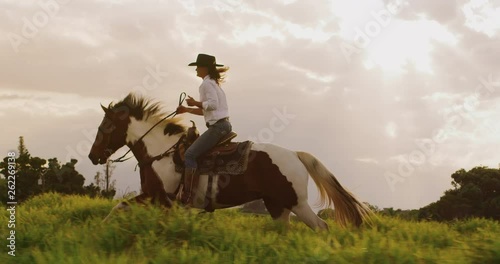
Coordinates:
x,y
96,160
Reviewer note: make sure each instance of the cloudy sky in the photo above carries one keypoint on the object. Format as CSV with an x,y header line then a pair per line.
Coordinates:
x,y
393,96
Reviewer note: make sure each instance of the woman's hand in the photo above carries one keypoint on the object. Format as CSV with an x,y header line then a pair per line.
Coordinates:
x,y
181,109
191,102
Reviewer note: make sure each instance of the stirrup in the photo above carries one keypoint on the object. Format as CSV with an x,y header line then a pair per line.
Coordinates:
x,y
187,192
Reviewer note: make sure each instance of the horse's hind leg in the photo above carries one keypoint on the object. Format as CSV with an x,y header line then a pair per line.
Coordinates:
x,y
307,215
285,216
277,211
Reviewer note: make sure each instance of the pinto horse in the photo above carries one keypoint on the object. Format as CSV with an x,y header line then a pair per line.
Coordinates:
x,y
277,175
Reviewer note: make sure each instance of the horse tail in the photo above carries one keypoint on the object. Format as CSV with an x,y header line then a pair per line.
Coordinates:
x,y
348,209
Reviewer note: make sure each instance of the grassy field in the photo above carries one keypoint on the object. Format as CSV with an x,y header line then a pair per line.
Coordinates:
x,y
67,229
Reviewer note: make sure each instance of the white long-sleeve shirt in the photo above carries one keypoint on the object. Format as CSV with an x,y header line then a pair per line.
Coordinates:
x,y
213,100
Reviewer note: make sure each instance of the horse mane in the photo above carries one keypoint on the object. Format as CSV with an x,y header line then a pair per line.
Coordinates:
x,y
144,109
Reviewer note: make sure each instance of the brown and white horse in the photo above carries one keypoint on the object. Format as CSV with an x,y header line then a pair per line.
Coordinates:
x,y
277,175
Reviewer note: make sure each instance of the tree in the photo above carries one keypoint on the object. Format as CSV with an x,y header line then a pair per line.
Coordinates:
x,y
3,190
92,190
35,175
63,178
475,193
103,185
21,148
28,171
109,190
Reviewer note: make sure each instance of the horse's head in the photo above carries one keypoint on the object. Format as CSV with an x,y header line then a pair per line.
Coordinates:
x,y
111,134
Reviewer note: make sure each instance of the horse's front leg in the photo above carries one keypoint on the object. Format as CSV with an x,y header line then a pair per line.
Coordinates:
x,y
141,198
125,206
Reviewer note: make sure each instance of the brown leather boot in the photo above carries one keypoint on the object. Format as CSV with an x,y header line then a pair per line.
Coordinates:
x,y
190,185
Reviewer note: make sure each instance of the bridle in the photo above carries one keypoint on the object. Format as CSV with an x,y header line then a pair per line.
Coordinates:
x,y
182,96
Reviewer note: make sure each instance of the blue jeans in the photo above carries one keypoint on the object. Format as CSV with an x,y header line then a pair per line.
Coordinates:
x,y
205,142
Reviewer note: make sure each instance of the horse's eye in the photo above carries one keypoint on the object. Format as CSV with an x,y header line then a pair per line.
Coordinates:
x,y
107,127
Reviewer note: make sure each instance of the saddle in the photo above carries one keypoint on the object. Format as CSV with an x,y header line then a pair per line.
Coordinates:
x,y
230,158
226,157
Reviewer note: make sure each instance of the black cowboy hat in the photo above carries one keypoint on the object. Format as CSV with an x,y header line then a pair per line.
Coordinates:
x,y
205,60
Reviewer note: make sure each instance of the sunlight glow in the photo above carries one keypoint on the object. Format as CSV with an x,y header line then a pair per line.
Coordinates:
x,y
383,40
391,129
408,42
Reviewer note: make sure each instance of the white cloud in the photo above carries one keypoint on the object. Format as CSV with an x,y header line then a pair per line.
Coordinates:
x,y
368,160
47,104
482,16
308,73
252,34
442,96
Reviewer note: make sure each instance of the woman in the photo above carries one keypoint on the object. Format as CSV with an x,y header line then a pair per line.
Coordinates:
x,y
213,106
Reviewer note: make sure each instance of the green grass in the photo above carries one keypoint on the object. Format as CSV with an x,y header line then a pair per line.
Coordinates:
x,y
67,229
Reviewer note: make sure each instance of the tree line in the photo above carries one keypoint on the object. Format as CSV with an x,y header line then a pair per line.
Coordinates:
x,y
474,193
35,175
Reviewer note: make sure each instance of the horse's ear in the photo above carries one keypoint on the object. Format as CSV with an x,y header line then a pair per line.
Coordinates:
x,y
106,110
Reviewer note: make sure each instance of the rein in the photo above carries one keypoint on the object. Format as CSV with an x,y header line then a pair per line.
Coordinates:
x,y
182,96
169,151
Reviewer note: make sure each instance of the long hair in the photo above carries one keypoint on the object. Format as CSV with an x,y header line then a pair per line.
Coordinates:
x,y
217,74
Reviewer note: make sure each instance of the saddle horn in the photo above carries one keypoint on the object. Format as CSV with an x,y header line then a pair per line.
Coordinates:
x,y
192,133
